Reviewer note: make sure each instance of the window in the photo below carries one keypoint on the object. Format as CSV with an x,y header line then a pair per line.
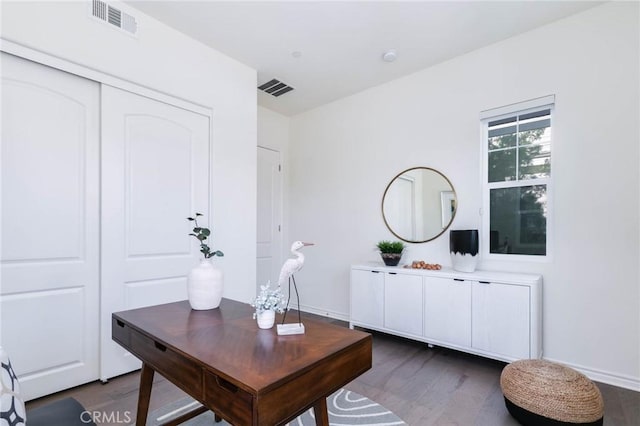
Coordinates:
x,y
517,164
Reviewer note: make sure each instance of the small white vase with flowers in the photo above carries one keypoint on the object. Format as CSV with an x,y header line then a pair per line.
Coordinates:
x,y
267,303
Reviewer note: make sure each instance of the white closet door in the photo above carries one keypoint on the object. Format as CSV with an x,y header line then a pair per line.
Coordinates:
x,y
269,239
155,173
50,230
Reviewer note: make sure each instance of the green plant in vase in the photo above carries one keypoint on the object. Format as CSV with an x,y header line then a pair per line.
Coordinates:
x,y
205,281
201,235
391,251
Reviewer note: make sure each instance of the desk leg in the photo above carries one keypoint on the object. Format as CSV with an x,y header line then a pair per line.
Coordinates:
x,y
144,395
320,410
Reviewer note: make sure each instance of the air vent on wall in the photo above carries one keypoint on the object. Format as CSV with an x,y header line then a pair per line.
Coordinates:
x,y
275,88
114,16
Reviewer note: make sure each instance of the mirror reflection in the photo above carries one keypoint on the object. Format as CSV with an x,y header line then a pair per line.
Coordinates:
x,y
419,204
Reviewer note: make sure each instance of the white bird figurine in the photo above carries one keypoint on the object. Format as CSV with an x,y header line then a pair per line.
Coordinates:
x,y
291,266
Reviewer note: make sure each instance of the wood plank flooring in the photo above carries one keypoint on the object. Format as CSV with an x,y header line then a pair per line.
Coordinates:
x,y
423,386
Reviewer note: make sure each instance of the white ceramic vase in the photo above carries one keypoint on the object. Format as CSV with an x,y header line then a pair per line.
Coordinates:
x,y
266,319
204,286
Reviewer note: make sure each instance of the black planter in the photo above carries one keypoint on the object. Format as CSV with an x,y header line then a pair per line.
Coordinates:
x,y
391,259
463,245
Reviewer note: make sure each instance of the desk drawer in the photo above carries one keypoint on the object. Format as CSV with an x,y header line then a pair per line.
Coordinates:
x,y
120,332
227,399
181,371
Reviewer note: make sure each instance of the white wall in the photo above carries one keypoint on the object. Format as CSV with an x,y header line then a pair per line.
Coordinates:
x,y
343,155
165,60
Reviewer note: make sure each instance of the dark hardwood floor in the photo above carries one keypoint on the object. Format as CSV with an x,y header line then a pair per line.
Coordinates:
x,y
423,386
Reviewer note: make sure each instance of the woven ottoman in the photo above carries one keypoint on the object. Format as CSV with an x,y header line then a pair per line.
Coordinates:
x,y
543,393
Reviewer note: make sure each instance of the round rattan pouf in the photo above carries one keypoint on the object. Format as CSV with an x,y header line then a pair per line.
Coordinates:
x,y
543,393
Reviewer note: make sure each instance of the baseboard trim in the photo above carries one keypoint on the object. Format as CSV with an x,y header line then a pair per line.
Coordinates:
x,y
620,380
323,312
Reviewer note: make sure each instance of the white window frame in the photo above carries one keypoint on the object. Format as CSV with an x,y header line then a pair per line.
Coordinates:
x,y
546,102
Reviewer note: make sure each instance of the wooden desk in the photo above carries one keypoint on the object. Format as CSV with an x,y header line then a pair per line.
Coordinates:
x,y
243,374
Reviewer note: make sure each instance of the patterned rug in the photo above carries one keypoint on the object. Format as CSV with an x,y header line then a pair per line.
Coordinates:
x,y
345,408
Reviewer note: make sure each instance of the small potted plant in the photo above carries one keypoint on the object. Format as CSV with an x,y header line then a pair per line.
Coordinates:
x,y
205,281
391,251
267,303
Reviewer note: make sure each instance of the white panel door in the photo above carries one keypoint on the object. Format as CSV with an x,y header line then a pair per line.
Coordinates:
x,y
50,230
500,318
399,217
447,310
155,173
269,238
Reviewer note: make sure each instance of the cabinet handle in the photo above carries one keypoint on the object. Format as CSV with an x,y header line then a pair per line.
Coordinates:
x,y
375,272
458,279
484,282
393,273
120,323
160,346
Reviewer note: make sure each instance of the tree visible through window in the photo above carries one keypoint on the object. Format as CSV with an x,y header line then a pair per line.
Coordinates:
x,y
518,148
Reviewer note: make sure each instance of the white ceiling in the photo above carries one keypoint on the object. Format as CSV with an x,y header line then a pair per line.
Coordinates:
x,y
341,43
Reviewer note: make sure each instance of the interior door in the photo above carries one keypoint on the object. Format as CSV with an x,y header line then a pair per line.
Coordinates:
x,y
50,229
400,218
269,238
155,173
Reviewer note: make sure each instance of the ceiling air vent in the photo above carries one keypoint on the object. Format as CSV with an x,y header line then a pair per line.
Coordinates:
x,y
275,88
114,16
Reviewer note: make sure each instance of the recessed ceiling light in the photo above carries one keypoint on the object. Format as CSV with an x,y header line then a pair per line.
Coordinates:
x,y
389,55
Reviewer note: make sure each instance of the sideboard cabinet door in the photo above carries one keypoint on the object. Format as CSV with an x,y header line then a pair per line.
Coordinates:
x,y
403,303
367,293
500,317
447,310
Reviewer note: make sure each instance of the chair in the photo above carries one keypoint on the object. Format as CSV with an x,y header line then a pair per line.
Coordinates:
x,y
65,412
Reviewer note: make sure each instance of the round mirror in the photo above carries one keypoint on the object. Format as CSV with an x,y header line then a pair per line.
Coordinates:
x,y
419,204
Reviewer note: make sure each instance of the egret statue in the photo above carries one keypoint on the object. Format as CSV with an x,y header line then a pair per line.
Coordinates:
x,y
290,267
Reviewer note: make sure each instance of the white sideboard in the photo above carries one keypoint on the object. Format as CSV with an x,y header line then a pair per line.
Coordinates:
x,y
493,314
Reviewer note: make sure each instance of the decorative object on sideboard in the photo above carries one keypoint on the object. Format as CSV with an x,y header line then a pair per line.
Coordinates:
x,y
205,281
463,245
421,264
391,252
267,303
290,267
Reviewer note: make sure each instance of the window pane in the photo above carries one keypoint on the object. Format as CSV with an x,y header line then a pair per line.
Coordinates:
x,y
518,220
502,165
535,161
530,115
539,135
503,121
497,141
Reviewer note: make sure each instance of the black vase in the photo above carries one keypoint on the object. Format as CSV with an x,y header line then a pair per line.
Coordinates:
x,y
463,246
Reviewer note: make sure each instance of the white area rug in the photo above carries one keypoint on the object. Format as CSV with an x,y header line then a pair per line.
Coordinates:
x,y
345,408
